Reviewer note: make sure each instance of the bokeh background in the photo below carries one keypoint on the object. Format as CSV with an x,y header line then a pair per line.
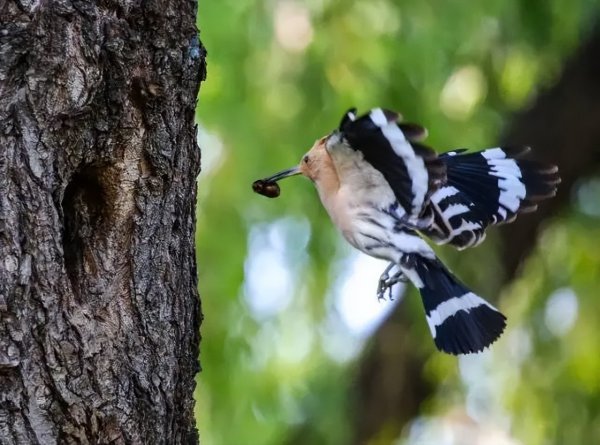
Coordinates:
x,y
296,349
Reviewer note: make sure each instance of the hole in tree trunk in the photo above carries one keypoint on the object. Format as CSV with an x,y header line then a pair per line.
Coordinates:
x,y
85,210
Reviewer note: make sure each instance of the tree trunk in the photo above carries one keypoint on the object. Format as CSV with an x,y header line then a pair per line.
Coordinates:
x,y
99,312
562,126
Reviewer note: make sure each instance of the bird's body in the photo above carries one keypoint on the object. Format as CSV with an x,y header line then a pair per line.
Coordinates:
x,y
363,207
383,189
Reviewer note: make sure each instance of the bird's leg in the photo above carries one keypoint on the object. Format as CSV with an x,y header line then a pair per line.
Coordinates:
x,y
383,279
398,277
386,282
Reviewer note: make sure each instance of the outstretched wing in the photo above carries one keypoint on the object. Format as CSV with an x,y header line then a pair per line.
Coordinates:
x,y
487,188
412,170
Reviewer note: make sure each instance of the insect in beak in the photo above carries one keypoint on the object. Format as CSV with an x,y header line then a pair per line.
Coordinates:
x,y
268,186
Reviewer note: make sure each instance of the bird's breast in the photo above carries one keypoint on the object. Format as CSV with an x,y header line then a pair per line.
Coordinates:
x,y
355,214
372,225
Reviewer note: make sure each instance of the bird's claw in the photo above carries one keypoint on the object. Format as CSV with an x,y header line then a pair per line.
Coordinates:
x,y
382,286
386,283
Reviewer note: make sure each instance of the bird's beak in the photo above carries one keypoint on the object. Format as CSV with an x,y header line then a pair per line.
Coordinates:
x,y
283,174
268,186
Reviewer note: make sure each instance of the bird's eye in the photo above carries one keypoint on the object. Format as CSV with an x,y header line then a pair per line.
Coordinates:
x,y
306,159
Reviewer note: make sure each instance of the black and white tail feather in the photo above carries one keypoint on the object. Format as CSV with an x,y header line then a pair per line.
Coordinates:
x,y
460,321
451,198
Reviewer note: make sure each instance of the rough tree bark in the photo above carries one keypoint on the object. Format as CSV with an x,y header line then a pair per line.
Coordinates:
x,y
562,125
99,312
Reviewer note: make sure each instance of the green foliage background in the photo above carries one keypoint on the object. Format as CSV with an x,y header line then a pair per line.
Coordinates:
x,y
458,67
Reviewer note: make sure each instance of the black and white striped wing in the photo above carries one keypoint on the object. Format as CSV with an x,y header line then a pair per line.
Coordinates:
x,y
412,170
456,219
486,188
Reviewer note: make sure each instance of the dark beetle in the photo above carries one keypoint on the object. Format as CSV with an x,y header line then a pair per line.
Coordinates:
x,y
266,188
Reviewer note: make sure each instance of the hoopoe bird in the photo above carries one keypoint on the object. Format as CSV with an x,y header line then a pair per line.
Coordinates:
x,y
384,191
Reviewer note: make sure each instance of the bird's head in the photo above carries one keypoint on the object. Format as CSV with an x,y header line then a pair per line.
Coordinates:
x,y
324,162
317,162
316,165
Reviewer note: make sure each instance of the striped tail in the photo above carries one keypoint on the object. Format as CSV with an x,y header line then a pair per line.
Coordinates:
x,y
460,321
486,188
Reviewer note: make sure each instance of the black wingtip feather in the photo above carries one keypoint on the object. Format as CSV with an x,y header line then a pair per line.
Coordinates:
x,y
413,132
516,151
547,169
528,207
424,151
391,116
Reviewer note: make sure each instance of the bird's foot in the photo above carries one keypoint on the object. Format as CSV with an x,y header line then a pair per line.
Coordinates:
x,y
387,282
